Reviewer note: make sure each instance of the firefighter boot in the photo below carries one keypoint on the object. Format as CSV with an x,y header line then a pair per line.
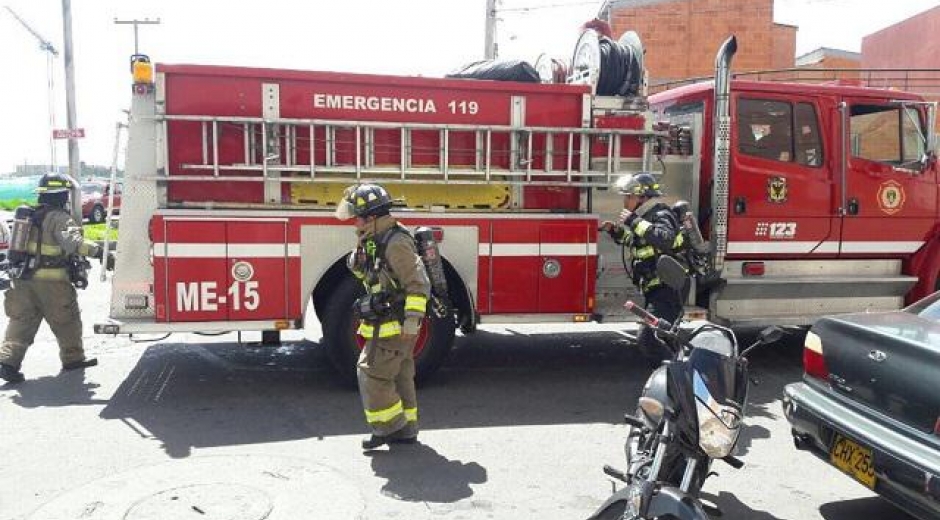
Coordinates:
x,y
10,374
375,441
406,435
85,363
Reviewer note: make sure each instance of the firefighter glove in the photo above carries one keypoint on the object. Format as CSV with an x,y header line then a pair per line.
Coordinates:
x,y
411,327
627,217
108,261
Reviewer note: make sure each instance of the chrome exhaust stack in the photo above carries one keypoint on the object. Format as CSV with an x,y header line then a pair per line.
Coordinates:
x,y
721,155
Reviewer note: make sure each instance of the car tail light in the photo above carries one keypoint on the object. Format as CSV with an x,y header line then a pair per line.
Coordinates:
x,y
814,364
753,268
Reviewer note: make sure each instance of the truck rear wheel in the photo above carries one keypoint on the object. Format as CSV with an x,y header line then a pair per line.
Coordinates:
x,y
343,344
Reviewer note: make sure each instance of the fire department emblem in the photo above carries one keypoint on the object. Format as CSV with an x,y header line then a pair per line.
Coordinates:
x,y
243,271
891,197
777,190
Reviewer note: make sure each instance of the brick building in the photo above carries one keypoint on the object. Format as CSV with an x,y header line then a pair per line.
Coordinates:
x,y
681,37
912,43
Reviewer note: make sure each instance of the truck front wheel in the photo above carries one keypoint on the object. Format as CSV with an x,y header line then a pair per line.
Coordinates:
x,y
343,344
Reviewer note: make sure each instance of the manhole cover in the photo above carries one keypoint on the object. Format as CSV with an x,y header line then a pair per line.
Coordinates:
x,y
223,487
205,501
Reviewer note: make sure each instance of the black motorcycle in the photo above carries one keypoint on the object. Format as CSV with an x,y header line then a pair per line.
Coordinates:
x,y
689,414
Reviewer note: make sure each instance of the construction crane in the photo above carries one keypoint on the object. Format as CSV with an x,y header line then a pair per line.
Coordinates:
x,y
51,54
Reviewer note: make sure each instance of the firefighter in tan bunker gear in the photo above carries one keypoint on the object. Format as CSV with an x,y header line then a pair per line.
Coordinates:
x,y
390,313
42,281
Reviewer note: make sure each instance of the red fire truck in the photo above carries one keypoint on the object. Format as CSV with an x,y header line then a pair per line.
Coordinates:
x,y
233,174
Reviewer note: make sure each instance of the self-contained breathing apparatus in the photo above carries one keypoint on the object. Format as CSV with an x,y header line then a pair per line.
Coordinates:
x,y
22,263
434,265
384,305
697,250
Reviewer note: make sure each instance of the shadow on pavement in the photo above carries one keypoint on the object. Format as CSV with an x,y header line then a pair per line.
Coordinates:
x,y
224,394
871,507
732,507
65,389
418,473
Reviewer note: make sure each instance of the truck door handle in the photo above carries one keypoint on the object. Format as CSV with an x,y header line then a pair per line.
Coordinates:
x,y
853,206
740,205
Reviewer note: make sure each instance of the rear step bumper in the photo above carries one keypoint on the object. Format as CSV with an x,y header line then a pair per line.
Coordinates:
x,y
151,327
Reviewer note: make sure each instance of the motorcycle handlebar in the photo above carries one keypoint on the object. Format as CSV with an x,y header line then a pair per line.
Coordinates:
x,y
649,319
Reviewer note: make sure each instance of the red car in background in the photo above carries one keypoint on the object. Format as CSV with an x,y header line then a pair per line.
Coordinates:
x,y
95,200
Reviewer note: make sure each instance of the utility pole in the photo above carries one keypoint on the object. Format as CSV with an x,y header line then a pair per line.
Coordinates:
x,y
135,23
75,165
51,54
489,52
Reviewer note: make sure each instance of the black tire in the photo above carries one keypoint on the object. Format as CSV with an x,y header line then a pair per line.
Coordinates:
x,y
97,214
339,335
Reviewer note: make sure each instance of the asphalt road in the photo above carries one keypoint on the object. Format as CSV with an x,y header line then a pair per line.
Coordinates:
x,y
517,425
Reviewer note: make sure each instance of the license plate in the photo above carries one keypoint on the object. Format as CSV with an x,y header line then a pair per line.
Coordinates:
x,y
854,459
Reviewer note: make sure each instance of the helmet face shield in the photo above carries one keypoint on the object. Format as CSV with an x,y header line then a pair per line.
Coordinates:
x,y
622,184
344,210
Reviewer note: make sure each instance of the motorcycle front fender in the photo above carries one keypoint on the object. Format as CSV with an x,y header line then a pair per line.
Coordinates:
x,y
613,507
674,502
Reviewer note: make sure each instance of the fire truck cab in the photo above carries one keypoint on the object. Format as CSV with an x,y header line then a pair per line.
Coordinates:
x,y
829,203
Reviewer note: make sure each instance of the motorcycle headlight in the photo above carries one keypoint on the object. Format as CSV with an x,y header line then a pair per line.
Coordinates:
x,y
718,425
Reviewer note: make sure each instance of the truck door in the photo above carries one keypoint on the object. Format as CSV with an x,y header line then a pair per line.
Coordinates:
x,y
780,181
257,270
889,193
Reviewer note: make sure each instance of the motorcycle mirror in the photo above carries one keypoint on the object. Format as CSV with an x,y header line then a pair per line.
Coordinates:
x,y
766,336
771,335
672,273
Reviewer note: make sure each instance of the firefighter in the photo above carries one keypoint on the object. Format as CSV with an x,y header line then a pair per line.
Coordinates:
x,y
391,313
44,276
649,228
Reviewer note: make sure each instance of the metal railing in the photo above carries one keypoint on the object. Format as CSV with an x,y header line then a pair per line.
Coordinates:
x,y
922,81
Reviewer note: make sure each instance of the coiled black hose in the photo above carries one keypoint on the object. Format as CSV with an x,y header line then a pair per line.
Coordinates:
x,y
619,70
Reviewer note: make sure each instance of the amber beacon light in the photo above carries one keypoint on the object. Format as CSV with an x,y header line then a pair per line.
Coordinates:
x,y
141,69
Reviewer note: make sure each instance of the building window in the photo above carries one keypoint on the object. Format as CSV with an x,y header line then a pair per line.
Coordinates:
x,y
779,131
887,134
